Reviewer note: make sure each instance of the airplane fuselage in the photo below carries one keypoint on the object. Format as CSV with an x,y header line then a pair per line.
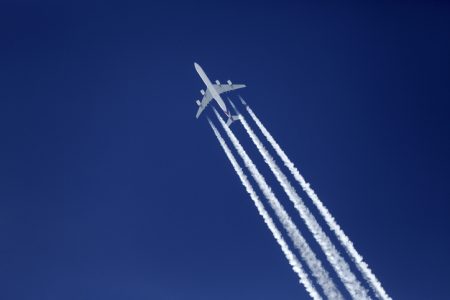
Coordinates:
x,y
211,89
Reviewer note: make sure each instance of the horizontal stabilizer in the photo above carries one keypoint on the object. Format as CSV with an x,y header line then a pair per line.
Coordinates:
x,y
232,119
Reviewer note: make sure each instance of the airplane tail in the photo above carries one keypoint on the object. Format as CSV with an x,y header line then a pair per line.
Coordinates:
x,y
232,119
235,117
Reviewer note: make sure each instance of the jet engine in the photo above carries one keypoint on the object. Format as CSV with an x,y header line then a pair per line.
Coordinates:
x,y
229,82
198,102
202,92
217,82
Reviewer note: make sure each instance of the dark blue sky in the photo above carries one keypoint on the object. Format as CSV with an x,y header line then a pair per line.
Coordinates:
x,y
110,189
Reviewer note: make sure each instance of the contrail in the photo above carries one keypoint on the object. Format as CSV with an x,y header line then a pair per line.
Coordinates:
x,y
354,287
321,275
292,259
363,267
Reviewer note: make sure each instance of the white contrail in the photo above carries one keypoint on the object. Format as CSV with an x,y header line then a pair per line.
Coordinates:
x,y
374,283
314,264
354,287
292,259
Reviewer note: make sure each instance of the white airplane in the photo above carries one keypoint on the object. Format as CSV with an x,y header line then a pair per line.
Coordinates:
x,y
213,91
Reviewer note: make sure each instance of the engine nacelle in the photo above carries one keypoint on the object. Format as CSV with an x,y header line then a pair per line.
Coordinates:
x,y
202,92
217,82
198,102
229,82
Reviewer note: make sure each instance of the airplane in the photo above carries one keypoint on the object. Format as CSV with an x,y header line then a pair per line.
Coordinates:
x,y
213,91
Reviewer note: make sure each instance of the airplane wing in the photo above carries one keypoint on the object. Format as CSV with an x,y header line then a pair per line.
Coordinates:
x,y
206,99
223,88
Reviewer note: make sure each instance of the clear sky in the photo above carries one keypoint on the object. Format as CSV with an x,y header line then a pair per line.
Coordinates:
x,y
111,189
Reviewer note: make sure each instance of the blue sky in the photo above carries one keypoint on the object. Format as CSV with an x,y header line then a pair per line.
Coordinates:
x,y
110,189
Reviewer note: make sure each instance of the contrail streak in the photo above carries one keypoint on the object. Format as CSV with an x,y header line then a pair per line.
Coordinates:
x,y
354,287
363,267
321,275
292,259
